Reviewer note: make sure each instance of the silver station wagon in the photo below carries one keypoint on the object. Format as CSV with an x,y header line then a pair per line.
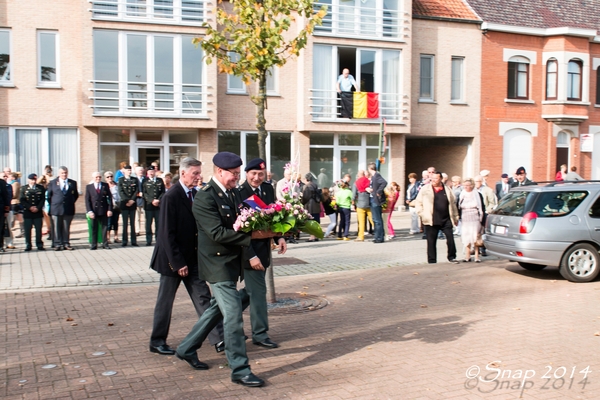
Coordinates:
x,y
556,224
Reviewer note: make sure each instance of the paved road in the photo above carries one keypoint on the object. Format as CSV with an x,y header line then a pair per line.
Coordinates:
x,y
397,331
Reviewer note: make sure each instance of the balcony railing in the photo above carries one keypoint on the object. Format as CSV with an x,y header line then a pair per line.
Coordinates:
x,y
147,99
325,106
360,22
181,12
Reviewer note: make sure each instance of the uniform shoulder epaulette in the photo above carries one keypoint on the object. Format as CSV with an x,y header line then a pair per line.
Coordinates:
x,y
205,188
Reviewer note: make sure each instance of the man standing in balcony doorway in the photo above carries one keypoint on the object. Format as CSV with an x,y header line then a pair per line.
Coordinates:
x,y
344,88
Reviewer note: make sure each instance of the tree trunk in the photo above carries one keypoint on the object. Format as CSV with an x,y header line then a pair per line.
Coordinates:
x,y
261,105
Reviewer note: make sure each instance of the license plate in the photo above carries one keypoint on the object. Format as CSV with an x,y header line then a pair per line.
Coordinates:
x,y
500,230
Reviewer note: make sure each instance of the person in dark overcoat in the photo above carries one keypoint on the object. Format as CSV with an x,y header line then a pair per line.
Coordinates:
x,y
99,206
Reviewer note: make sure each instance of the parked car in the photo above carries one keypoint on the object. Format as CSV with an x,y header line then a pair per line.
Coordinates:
x,y
556,224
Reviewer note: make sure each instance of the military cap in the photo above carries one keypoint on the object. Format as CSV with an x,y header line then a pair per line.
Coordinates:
x,y
504,175
127,167
151,168
521,170
257,163
32,176
227,160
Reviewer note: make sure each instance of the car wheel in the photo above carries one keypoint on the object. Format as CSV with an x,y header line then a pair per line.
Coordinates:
x,y
532,267
581,263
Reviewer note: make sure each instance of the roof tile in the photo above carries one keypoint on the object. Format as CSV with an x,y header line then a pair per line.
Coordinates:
x,y
455,9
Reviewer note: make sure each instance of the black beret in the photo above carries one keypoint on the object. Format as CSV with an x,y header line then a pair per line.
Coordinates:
x,y
151,168
227,160
504,175
521,170
257,163
32,176
127,167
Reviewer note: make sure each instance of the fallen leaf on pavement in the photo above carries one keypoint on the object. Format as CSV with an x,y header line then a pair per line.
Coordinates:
x,y
360,296
110,324
423,305
70,319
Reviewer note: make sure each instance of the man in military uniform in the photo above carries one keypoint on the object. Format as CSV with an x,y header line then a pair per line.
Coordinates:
x,y
154,189
220,256
140,202
259,253
128,191
4,210
32,198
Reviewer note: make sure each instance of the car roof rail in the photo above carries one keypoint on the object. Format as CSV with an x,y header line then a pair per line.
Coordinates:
x,y
554,183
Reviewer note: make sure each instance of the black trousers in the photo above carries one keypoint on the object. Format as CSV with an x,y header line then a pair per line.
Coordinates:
x,y
432,231
101,220
129,218
2,217
151,215
167,289
29,224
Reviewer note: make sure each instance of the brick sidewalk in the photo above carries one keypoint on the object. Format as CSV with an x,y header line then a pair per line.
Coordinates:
x,y
407,332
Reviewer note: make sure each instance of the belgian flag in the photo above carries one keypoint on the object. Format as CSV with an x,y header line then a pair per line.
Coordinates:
x,y
360,105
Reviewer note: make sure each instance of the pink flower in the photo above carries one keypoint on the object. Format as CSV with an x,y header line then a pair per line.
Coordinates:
x,y
285,189
278,207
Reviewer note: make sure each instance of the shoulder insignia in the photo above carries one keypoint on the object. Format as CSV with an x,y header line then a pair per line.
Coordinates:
x,y
205,188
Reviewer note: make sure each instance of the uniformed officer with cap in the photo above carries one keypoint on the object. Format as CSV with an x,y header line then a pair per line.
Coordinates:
x,y
32,198
128,191
153,189
259,253
220,258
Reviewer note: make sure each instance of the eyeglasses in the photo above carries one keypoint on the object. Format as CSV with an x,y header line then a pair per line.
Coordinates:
x,y
236,174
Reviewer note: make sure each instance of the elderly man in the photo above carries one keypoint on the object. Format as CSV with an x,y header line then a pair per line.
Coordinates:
x,y
221,252
503,186
521,178
4,210
99,205
62,195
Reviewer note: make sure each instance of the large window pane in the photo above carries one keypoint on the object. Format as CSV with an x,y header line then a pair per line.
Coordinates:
x,y
349,160
235,83
229,141
574,81
426,78
321,139
29,151
4,55
321,161
137,76
192,10
367,71
3,147
183,137
64,150
106,71
390,18
114,135
163,73
251,146
111,156
280,153
177,153
148,136
350,139
551,79
192,76
457,79
324,94
48,62
163,8
390,98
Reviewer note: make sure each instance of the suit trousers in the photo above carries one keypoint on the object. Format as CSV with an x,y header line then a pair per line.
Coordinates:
x,y
257,292
2,217
29,224
62,230
361,215
128,218
227,303
101,220
138,219
432,231
151,215
167,289
377,221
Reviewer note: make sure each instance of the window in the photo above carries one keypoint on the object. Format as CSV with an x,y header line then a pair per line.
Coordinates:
x,y
551,79
456,94
517,150
426,78
598,86
164,75
558,204
272,81
235,84
48,60
574,80
361,18
185,12
4,57
518,78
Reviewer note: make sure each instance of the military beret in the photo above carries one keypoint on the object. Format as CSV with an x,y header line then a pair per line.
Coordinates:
x,y
504,175
521,170
32,176
257,163
127,167
151,168
227,160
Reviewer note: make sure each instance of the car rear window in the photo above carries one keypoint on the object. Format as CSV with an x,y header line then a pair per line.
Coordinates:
x,y
512,204
558,204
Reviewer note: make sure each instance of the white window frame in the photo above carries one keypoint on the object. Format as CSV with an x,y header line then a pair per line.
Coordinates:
x,y
237,79
272,77
3,80
460,99
431,97
122,12
40,82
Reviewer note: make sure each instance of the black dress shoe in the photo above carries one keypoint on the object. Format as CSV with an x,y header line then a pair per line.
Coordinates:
x,y
249,380
41,249
69,248
135,245
26,248
162,349
220,347
124,244
268,343
193,361
93,247
105,247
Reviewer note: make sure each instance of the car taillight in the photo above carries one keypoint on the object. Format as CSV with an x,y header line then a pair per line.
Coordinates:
x,y
527,222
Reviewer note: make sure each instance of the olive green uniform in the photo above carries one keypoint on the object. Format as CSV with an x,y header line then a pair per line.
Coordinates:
x,y
33,197
153,189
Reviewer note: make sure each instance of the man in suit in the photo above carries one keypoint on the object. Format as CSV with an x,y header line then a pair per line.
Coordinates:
x,y
175,258
98,203
220,256
503,186
62,195
32,198
378,184
4,210
128,190
154,189
260,253
521,178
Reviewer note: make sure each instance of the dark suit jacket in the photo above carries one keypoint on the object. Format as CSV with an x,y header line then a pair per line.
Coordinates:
x,y
99,203
4,197
220,248
62,204
259,247
176,245
378,184
499,193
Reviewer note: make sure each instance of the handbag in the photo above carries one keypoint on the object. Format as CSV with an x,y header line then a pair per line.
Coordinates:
x,y
479,241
